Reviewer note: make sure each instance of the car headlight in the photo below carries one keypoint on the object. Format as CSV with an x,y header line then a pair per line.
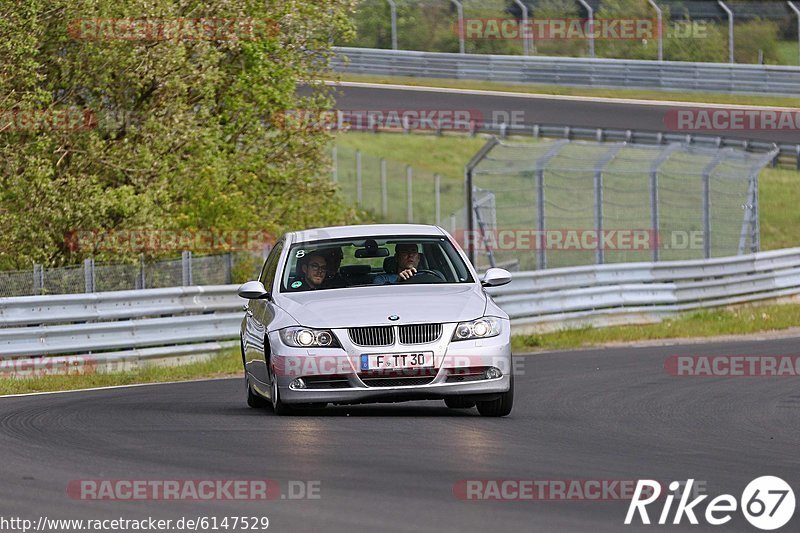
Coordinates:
x,y
301,337
482,328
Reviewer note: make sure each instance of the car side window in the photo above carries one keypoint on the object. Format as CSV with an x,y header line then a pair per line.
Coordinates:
x,y
271,266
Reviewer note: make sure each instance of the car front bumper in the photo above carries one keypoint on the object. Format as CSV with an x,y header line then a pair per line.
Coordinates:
x,y
456,372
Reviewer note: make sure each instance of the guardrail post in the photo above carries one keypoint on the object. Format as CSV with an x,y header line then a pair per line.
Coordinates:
x,y
186,267
88,275
409,194
38,279
384,193
358,178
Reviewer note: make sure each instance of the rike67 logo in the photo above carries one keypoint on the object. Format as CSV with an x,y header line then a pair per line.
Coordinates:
x,y
767,503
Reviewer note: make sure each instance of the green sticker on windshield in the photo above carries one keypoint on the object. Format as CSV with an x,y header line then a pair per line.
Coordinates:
x,y
296,284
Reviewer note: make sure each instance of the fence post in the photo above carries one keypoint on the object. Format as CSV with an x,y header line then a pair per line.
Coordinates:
x,y
88,275
358,178
186,267
730,29
38,279
142,282
335,165
228,268
437,183
393,14
409,194
541,257
384,192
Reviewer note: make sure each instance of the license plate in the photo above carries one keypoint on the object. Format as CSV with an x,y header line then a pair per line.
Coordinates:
x,y
390,361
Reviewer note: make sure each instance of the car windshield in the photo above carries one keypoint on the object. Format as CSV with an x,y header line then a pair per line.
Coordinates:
x,y
339,263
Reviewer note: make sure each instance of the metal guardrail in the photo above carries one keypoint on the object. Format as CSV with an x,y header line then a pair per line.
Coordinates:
x,y
788,155
72,333
602,295
115,330
577,72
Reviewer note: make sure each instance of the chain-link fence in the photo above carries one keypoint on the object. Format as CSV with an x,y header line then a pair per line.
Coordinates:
x,y
566,203
97,277
397,192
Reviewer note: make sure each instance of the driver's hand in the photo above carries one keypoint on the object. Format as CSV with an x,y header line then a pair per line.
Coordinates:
x,y
407,273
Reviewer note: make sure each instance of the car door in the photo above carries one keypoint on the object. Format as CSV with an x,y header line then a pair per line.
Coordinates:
x,y
260,314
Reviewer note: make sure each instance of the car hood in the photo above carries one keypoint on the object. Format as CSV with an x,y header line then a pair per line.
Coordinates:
x,y
372,306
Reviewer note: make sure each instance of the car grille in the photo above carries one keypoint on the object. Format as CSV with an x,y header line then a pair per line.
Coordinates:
x,y
419,333
460,375
396,382
372,336
326,382
384,335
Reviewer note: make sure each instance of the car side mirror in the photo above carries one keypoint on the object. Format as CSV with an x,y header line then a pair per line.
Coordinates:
x,y
494,277
254,290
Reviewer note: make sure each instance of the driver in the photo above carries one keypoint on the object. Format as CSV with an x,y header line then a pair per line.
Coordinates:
x,y
407,257
314,269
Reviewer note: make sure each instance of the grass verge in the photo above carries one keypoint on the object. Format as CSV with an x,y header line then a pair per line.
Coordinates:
x,y
225,364
705,323
635,94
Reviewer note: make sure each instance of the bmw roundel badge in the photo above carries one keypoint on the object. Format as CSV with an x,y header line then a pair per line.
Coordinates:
x,y
394,317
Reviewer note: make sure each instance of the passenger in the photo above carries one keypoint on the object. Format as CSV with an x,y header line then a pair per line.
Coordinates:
x,y
407,259
314,269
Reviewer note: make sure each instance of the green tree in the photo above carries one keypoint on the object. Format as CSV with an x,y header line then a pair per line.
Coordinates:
x,y
186,131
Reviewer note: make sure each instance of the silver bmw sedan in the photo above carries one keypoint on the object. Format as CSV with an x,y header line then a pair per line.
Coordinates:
x,y
375,313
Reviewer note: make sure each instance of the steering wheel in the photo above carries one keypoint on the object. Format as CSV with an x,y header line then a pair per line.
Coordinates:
x,y
424,276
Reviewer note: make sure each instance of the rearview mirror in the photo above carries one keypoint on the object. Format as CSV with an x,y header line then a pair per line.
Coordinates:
x,y
253,290
372,252
494,277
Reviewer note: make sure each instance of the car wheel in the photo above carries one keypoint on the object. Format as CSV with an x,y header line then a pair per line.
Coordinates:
x,y
253,400
501,406
458,402
278,407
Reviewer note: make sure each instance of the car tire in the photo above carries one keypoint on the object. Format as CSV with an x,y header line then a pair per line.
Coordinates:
x,y
254,400
457,402
278,407
501,406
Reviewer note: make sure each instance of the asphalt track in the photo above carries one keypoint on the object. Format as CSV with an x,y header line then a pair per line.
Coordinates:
x,y
590,113
605,414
